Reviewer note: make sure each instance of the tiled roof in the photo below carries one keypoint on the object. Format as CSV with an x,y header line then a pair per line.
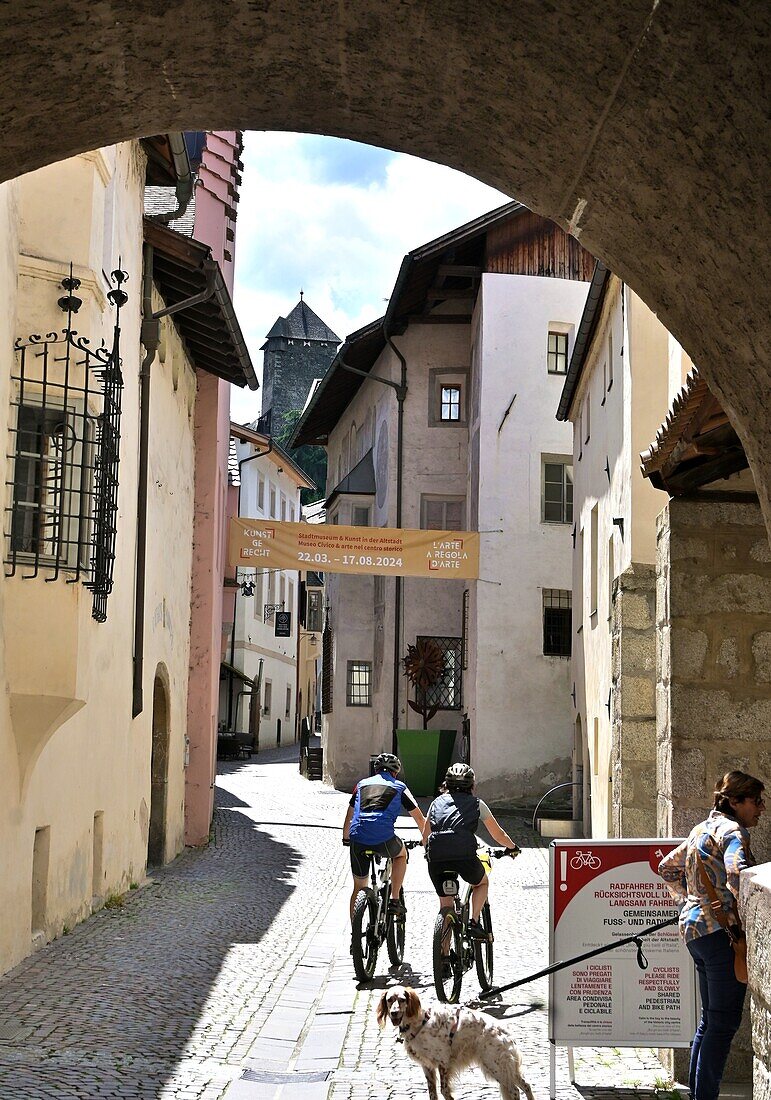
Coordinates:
x,y
162,200
303,324
681,412
358,481
696,445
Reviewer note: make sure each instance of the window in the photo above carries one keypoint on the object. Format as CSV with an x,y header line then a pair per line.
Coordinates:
x,y
288,708
587,417
50,515
557,357
359,684
291,513
266,697
272,503
360,516
450,403
557,491
258,605
290,597
447,693
282,591
260,492
610,358
442,513
557,622
314,610
282,498
447,396
593,548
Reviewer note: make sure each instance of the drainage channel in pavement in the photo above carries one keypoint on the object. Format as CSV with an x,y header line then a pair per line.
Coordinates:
x,y
300,1043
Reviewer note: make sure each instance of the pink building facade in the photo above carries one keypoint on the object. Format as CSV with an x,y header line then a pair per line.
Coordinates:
x,y
216,156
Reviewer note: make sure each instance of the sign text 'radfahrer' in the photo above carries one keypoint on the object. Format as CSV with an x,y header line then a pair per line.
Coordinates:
x,y
329,548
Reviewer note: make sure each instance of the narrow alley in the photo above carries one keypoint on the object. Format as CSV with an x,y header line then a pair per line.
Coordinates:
x,y
228,975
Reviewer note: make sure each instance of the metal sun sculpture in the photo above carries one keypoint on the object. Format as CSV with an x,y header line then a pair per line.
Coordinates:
x,y
424,668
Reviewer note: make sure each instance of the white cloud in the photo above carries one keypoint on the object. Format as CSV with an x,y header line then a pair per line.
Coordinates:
x,y
334,219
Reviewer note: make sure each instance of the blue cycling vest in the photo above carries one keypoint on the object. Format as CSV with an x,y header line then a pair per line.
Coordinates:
x,y
378,804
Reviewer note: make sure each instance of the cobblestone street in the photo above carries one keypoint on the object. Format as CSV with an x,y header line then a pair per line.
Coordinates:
x,y
228,975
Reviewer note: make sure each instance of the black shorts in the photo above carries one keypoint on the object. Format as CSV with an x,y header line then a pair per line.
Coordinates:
x,y
471,870
361,860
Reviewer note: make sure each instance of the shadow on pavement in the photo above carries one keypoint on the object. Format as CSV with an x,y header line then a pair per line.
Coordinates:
x,y
113,1005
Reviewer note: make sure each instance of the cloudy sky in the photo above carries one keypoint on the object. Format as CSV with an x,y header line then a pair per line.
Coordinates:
x,y
334,218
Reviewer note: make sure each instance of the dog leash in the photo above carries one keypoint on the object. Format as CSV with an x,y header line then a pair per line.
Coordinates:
x,y
636,939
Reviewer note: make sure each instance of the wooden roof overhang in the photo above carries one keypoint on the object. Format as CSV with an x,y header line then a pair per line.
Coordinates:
x,y
695,445
209,329
445,272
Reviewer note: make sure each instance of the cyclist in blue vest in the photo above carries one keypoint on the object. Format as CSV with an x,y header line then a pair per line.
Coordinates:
x,y
370,821
451,843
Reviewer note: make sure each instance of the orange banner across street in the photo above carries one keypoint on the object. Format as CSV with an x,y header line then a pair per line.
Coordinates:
x,y
329,548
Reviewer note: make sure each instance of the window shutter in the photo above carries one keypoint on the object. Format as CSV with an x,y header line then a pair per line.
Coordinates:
x,y
454,515
434,515
327,647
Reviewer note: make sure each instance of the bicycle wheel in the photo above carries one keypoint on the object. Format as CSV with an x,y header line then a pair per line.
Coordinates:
x,y
483,952
395,936
448,968
364,940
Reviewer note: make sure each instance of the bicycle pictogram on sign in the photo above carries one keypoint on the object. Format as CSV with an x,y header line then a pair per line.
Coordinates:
x,y
584,859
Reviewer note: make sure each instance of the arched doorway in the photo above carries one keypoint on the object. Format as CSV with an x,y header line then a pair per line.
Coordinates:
x,y
159,774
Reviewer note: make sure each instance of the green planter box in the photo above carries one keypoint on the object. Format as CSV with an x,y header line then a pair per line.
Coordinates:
x,y
425,757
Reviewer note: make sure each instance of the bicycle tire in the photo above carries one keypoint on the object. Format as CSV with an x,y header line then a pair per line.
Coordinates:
x,y
483,952
364,939
448,988
396,935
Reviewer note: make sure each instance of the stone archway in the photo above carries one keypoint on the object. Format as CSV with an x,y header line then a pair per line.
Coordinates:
x,y
159,773
638,126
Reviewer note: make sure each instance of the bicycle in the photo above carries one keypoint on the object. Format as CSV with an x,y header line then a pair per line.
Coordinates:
x,y
454,949
372,923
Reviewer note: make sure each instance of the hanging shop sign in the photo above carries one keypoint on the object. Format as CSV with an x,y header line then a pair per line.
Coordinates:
x,y
283,624
329,548
601,890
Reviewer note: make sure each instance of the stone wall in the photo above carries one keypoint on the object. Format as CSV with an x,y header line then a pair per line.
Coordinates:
x,y
288,373
713,617
633,699
756,913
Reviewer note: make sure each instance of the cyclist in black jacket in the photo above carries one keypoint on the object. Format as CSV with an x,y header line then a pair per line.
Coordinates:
x,y
451,844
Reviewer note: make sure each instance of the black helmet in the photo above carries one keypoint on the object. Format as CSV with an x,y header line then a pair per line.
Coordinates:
x,y
387,762
460,777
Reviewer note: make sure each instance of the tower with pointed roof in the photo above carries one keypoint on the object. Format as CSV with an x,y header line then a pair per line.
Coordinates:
x,y
297,349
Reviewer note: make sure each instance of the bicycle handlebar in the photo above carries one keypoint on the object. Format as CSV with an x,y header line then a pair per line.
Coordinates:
x,y
499,853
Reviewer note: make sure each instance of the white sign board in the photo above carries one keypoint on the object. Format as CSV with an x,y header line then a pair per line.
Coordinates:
x,y
601,890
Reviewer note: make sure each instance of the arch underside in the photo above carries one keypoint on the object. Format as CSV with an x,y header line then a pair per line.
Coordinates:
x,y
639,126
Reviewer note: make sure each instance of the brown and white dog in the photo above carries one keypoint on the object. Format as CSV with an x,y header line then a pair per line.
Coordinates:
x,y
446,1040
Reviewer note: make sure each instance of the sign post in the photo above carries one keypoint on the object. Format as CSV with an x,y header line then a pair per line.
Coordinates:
x,y
601,890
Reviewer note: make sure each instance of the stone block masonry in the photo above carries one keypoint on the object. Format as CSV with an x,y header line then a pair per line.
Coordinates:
x,y
713,692
633,699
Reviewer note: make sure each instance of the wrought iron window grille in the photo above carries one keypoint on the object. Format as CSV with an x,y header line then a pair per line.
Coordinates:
x,y
64,452
557,622
447,694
